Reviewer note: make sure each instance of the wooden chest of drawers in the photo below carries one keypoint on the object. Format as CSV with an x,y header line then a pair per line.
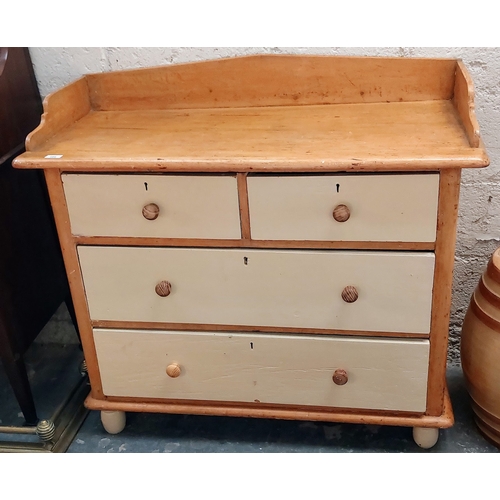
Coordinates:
x,y
269,236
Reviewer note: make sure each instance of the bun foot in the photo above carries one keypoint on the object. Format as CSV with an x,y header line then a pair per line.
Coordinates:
x,y
425,437
113,421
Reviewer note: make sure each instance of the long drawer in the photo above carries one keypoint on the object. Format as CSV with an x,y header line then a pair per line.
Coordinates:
x,y
168,206
344,207
281,369
364,291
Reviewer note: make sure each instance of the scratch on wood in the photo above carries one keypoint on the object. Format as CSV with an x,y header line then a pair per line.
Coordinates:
x,y
349,80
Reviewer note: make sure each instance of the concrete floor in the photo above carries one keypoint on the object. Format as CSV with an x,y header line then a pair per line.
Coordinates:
x,y
54,368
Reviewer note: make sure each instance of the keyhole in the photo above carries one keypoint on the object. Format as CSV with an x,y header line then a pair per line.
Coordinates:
x,y
146,185
245,261
251,345
338,188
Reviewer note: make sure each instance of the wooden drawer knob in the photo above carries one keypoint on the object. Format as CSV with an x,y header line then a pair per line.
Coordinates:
x,y
151,211
173,370
163,288
340,377
350,294
341,213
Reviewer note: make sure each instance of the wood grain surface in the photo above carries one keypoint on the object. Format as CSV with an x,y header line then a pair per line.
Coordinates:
x,y
378,136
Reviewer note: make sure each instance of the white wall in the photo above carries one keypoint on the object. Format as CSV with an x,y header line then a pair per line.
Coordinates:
x,y
479,222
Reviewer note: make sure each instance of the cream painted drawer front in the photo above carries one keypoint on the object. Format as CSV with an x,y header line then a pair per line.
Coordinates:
x,y
281,369
282,288
382,207
190,206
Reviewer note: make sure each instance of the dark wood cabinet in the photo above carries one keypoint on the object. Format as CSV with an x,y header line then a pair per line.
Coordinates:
x,y
33,282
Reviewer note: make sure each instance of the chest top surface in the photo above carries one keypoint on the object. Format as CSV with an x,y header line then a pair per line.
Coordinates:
x,y
264,114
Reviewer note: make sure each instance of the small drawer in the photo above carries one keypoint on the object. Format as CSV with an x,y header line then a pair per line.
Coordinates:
x,y
345,290
392,208
379,374
160,206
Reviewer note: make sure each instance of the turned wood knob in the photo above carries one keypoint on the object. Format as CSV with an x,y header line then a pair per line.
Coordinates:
x,y
151,211
163,288
340,377
341,213
173,370
350,294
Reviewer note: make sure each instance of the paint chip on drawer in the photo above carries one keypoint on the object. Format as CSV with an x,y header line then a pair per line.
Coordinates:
x,y
53,156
